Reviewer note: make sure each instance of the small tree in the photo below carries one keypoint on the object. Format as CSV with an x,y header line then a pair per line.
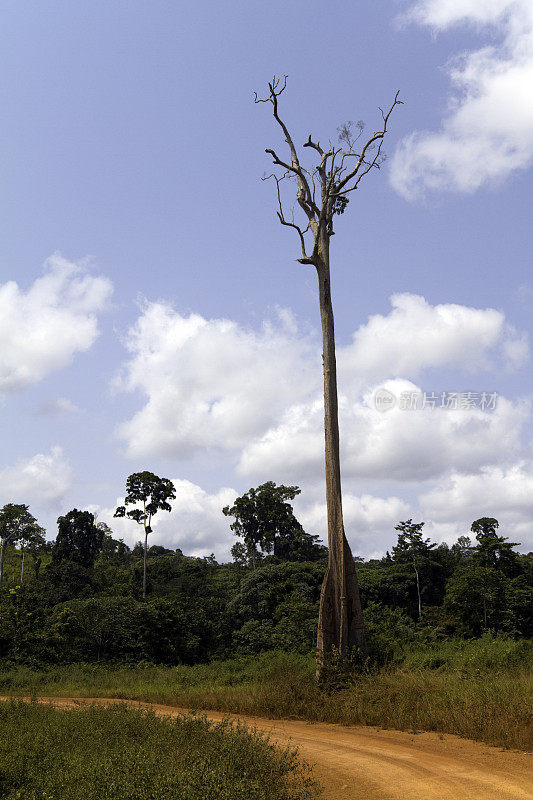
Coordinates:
x,y
16,523
150,494
245,555
323,190
411,547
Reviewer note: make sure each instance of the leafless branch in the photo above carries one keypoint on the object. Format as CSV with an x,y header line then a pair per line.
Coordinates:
x,y
281,217
332,178
314,145
305,197
376,137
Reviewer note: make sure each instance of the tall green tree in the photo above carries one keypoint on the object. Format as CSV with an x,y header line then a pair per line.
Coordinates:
x,y
492,550
16,522
413,548
265,521
79,539
323,189
150,494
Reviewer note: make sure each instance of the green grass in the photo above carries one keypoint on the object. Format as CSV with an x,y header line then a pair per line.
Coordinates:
x,y
478,689
124,754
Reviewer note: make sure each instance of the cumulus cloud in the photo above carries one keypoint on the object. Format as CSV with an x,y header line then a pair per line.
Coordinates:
x,y
196,524
488,130
214,384
503,492
211,383
41,329
399,444
415,336
42,479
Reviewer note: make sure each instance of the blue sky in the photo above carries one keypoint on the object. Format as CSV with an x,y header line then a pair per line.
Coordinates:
x,y
152,313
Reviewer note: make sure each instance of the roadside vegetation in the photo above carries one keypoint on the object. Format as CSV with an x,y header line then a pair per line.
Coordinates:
x,y
50,754
480,689
448,627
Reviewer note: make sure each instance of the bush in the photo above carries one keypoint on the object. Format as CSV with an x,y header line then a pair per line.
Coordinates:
x,y
124,754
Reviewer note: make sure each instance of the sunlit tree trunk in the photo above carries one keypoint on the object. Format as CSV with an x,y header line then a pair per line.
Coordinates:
x,y
340,622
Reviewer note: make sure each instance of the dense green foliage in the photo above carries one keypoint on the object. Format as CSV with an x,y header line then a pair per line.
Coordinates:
x,y
46,754
18,526
266,522
81,597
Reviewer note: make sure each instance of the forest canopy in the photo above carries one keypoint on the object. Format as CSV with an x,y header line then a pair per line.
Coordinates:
x,y
80,597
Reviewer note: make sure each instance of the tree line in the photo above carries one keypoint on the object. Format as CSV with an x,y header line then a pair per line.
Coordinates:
x,y
88,596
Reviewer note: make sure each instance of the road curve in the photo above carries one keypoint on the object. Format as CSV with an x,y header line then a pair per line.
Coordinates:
x,y
364,763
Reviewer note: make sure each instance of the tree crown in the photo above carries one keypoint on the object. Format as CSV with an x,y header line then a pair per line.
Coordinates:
x,y
323,189
17,524
152,492
78,539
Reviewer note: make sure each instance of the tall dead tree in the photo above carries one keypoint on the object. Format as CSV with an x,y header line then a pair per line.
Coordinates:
x,y
321,192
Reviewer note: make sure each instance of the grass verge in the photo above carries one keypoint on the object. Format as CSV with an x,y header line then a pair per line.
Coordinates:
x,y
481,690
124,754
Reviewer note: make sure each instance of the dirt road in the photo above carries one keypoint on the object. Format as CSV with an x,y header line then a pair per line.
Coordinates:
x,y
363,763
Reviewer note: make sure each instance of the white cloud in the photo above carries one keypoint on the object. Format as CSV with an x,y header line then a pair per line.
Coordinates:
x,y
43,480
41,329
196,524
416,335
397,445
440,14
488,130
505,493
211,383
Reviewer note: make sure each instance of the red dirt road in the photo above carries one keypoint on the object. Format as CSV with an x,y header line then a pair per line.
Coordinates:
x,y
363,763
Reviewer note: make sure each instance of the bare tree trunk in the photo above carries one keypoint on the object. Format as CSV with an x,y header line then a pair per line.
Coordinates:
x,y
340,621
22,564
